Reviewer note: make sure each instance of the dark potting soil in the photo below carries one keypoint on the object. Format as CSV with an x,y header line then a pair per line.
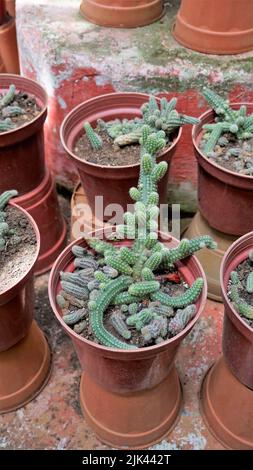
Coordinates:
x,y
169,287
17,258
29,106
243,270
110,154
242,164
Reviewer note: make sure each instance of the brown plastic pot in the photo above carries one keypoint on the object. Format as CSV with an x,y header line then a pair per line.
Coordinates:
x,y
112,182
130,398
227,408
22,150
232,212
24,370
210,260
216,26
8,46
42,204
237,335
122,14
16,303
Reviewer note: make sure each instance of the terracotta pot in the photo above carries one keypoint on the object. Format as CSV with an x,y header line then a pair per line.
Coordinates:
x,y
2,69
8,46
16,303
24,370
22,150
215,27
237,335
232,192
111,182
227,408
130,398
42,204
10,7
121,14
210,260
25,359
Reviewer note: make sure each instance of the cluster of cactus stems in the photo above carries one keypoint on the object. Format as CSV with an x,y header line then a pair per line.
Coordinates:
x,y
8,109
124,277
236,122
128,131
5,231
242,307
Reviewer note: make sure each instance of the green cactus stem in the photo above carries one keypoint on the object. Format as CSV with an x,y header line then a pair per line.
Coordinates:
x,y
183,300
249,283
8,97
12,111
140,319
80,327
94,139
5,198
158,327
120,326
76,291
6,125
78,251
181,319
144,288
74,317
72,300
96,316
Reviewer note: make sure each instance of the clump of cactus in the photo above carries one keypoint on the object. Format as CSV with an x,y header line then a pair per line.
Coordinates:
x,y
5,231
129,131
227,120
124,278
237,288
8,109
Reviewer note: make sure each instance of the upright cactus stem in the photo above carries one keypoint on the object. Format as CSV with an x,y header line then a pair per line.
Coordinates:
x,y
127,276
8,97
94,139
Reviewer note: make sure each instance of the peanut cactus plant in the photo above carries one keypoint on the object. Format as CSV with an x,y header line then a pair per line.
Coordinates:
x,y
126,276
236,122
129,131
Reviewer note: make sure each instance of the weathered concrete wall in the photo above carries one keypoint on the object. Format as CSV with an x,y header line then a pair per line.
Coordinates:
x,y
75,60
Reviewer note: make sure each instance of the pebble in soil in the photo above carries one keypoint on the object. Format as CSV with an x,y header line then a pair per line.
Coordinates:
x,y
232,154
110,154
20,250
243,270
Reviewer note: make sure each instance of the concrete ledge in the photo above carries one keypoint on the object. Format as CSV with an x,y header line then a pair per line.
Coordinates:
x,y
75,60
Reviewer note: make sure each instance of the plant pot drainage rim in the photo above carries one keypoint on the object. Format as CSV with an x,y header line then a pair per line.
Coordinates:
x,y
63,263
7,292
196,132
108,167
42,103
225,268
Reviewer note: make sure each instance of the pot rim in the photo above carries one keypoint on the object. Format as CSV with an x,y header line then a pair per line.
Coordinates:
x,y
9,290
123,352
197,128
224,269
45,100
105,167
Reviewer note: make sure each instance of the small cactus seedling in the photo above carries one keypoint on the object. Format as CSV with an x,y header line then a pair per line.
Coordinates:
x,y
94,139
125,278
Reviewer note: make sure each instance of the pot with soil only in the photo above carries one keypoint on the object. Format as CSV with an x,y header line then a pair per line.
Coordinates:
x,y
98,173
231,191
141,387
231,418
24,352
202,29
121,14
22,162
